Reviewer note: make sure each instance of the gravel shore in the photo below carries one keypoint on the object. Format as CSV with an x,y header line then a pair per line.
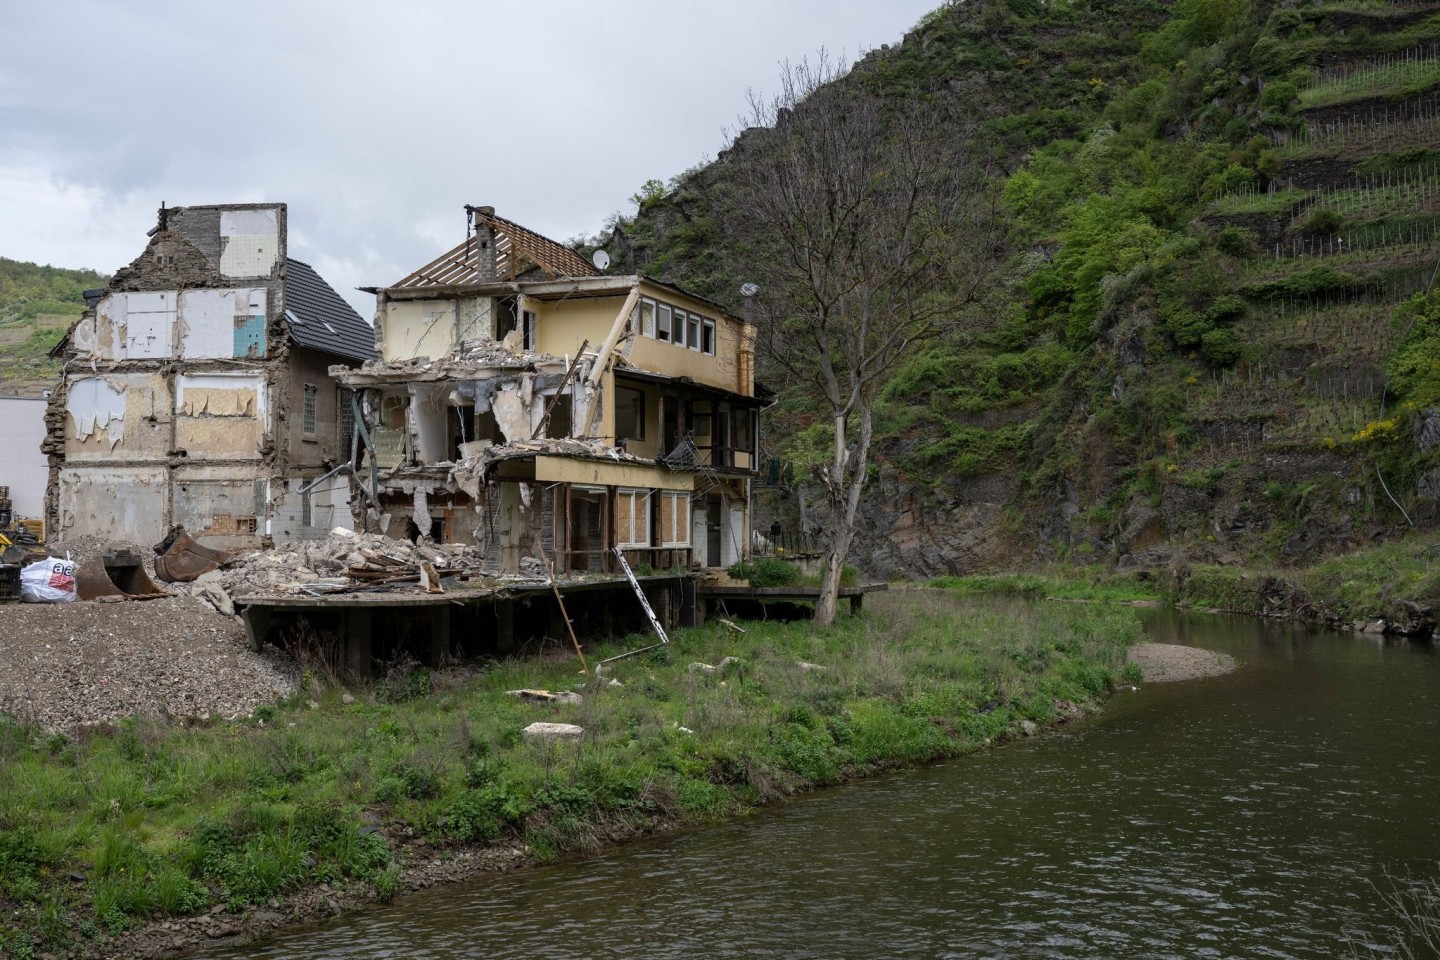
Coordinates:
x,y
1171,662
71,664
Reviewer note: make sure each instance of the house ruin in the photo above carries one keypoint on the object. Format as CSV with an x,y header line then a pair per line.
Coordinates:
x,y
196,391
525,402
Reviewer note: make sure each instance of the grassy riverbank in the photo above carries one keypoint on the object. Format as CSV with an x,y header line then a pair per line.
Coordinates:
x,y
105,830
1398,583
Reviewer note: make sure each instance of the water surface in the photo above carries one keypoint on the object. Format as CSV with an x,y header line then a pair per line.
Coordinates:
x,y
1238,816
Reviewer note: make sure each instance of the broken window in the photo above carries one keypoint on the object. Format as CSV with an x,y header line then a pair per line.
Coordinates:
x,y
487,427
461,423
506,317
529,336
344,402
674,519
707,342
632,518
312,403
647,317
662,322
560,424
629,414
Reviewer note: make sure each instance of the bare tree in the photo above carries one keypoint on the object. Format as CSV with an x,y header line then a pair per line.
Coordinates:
x,y
871,228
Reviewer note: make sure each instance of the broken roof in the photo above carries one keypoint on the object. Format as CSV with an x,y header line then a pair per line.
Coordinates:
x,y
320,319
517,250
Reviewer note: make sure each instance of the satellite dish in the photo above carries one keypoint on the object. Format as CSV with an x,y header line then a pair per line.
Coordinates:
x,y
601,259
749,290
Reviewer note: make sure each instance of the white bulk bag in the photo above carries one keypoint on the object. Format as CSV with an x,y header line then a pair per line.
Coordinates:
x,y
48,581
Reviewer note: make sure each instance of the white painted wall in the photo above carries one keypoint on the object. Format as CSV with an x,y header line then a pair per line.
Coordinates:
x,y
23,468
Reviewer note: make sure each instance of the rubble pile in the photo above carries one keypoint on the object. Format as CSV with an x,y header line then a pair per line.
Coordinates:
x,y
342,562
72,664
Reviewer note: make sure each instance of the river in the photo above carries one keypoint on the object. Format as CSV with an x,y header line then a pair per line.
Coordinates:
x,y
1241,816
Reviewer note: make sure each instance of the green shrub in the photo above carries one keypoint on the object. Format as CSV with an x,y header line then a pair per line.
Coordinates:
x,y
1236,242
1322,220
1221,347
766,572
1279,97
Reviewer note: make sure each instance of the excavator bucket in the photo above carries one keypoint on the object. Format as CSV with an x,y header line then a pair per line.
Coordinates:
x,y
183,560
114,575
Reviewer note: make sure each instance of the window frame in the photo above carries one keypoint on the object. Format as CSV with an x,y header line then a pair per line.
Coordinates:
x,y
639,513
664,315
707,336
529,327
675,497
310,409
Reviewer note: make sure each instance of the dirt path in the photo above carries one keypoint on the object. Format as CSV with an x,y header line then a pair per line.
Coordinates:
x,y
1171,662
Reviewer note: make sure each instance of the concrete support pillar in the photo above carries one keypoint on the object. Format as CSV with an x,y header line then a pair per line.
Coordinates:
x,y
439,634
359,643
504,626
257,625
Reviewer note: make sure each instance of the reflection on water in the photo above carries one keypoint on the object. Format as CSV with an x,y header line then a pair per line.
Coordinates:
x,y
1240,816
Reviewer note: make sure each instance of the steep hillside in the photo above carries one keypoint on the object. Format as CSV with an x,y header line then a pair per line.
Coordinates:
x,y
37,305
1209,345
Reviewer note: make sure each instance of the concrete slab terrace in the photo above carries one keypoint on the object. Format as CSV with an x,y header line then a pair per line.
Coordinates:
x,y
353,631
707,595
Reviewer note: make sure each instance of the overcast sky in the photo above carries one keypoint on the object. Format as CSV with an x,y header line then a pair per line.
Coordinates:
x,y
376,122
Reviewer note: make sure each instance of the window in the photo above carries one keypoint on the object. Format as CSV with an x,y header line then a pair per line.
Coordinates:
x,y
694,339
647,317
344,402
530,334
561,417
312,402
629,414
505,317
307,511
662,322
632,518
745,430
677,330
707,342
674,519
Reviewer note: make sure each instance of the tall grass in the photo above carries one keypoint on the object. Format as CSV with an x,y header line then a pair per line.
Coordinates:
x,y
162,819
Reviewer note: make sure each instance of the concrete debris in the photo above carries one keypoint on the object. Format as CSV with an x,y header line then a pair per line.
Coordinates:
x,y
698,667
553,731
545,696
809,666
340,563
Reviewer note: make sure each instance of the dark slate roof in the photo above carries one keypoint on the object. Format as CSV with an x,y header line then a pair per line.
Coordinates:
x,y
320,319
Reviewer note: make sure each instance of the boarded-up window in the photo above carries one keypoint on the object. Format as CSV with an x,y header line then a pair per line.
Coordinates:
x,y
632,518
674,519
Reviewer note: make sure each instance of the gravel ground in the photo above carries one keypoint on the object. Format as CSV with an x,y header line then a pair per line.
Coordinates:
x,y
66,665
1171,662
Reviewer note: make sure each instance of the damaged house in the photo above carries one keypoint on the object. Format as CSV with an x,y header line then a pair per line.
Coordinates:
x,y
526,403
195,391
